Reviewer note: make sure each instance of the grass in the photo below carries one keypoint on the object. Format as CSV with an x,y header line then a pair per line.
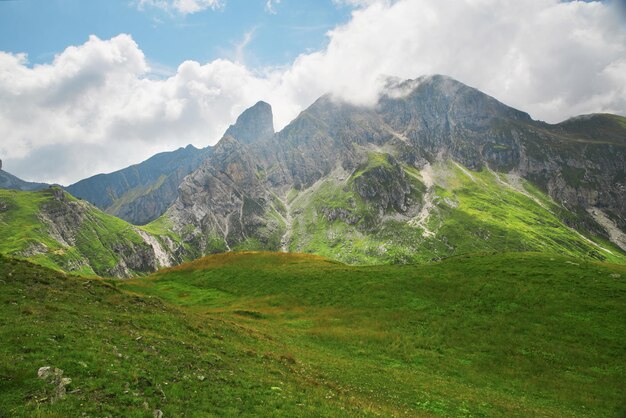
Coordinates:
x,y
128,354
493,335
374,160
511,334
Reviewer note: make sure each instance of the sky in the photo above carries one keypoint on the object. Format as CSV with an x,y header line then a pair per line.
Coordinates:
x,y
94,86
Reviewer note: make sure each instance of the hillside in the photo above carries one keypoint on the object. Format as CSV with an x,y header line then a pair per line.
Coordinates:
x,y
54,229
297,335
365,218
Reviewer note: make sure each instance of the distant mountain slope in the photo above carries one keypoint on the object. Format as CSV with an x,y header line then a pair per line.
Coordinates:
x,y
142,192
599,126
10,182
435,169
52,228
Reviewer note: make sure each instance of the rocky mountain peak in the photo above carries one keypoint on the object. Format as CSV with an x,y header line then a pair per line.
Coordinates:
x,y
254,124
442,97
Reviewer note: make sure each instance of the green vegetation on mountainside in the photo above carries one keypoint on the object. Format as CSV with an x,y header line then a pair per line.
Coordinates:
x,y
135,193
297,335
54,229
466,212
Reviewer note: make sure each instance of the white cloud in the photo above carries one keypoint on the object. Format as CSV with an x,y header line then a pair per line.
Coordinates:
x,y
270,6
240,47
181,6
96,108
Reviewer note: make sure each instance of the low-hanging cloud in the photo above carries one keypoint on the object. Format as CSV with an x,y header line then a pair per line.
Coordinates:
x,y
97,107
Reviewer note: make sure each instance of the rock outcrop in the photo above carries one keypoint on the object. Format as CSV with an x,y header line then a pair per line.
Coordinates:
x,y
54,377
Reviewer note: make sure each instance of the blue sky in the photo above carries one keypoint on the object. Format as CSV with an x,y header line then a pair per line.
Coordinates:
x,y
43,28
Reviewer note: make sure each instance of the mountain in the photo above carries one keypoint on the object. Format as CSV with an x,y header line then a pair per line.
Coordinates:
x,y
142,192
435,169
54,229
254,124
10,182
258,334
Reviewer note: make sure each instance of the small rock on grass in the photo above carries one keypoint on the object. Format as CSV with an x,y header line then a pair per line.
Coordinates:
x,y
55,377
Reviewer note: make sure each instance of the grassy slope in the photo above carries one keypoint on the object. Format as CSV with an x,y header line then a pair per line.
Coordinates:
x,y
96,235
507,334
297,335
129,354
484,212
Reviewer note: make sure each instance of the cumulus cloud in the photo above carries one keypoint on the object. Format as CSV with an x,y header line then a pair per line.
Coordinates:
x,y
96,107
181,6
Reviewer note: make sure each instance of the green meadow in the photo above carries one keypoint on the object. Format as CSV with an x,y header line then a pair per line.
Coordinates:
x,y
272,334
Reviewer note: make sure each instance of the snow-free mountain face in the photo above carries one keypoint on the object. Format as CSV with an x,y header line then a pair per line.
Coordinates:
x,y
254,124
436,168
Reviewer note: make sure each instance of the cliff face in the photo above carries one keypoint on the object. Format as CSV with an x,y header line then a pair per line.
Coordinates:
x,y
370,170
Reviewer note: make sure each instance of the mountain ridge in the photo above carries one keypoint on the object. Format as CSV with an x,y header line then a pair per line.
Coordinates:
x,y
10,182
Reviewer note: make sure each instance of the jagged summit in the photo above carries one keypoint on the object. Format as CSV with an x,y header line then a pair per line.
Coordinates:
x,y
254,124
446,98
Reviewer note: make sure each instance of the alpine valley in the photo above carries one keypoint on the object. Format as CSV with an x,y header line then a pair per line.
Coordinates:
x,y
437,254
